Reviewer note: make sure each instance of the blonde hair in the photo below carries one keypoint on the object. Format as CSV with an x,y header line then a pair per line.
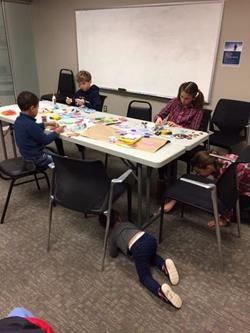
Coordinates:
x,y
83,76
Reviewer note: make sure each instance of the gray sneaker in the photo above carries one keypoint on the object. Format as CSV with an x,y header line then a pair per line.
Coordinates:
x,y
171,271
168,295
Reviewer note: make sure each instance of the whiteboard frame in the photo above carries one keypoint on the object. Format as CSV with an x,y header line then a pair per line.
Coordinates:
x,y
165,4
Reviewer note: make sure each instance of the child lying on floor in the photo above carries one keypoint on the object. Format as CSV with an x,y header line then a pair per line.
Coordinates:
x,y
126,237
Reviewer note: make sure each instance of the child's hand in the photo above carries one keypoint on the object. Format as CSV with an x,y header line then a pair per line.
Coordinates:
x,y
172,124
69,100
158,121
51,123
80,101
59,129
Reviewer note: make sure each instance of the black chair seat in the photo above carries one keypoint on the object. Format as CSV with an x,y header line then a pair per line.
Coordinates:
x,y
17,167
13,170
193,195
225,140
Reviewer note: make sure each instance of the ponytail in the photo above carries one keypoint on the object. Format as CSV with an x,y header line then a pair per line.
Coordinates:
x,y
199,100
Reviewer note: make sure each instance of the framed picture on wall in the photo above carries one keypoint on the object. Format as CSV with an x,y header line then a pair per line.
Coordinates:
x,y
232,53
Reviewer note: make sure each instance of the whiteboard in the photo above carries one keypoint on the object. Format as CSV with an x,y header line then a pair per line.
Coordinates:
x,y
150,49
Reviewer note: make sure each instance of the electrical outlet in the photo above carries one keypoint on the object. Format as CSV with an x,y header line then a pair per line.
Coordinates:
x,y
105,108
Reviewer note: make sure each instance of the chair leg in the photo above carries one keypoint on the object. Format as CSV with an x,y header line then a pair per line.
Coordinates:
x,y
37,182
105,240
188,168
107,226
161,222
217,227
237,209
50,222
47,179
7,200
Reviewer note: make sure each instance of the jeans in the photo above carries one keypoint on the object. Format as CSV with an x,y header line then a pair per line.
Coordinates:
x,y
42,161
144,254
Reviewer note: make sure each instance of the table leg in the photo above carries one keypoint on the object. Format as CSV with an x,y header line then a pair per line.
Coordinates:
x,y
13,140
3,141
139,202
148,178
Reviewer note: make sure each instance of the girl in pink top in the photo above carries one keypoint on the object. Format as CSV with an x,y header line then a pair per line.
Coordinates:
x,y
185,110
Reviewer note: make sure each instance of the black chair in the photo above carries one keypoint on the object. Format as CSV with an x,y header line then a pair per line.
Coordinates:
x,y
103,97
84,186
66,86
213,197
229,123
140,110
204,127
14,169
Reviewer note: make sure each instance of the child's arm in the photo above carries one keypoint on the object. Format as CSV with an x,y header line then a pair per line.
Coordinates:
x,y
80,101
36,131
94,99
164,112
196,120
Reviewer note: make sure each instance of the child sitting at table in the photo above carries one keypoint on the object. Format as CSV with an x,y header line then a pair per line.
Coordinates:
x,y
183,111
30,137
205,165
88,94
126,237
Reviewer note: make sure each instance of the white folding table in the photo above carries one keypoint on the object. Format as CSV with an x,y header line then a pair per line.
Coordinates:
x,y
163,156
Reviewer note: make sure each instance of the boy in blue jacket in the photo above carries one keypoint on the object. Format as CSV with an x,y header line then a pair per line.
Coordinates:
x,y
30,137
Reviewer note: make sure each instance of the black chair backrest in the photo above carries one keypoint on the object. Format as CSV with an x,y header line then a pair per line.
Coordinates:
x,y
103,97
205,120
66,83
227,188
231,116
79,184
140,110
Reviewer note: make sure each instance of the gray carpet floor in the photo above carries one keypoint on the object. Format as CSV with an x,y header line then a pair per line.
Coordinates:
x,y
66,288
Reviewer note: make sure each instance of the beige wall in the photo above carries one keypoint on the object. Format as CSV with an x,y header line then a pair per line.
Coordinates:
x,y
55,44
